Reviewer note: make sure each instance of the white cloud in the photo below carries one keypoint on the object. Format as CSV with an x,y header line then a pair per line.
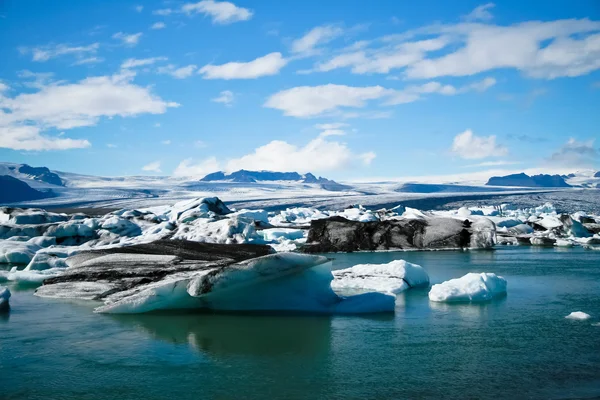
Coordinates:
x,y
310,101
332,129
45,53
88,60
129,40
384,59
221,12
29,138
467,145
332,132
111,145
315,37
166,142
138,8
140,62
225,97
187,168
539,49
481,13
262,66
178,73
69,105
491,164
319,154
163,12
40,79
415,92
575,153
158,25
546,50
152,167
334,125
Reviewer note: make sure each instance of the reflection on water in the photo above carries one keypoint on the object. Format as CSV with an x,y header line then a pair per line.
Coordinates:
x,y
246,334
466,310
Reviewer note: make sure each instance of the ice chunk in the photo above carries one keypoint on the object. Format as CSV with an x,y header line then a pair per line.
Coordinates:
x,y
54,257
473,287
483,234
394,277
190,210
228,230
17,252
542,241
275,234
26,277
4,296
578,315
563,243
121,226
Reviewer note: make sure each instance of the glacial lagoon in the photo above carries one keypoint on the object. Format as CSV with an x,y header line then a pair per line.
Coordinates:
x,y
519,346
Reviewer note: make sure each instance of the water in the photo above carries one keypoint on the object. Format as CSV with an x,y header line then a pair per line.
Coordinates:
x,y
518,347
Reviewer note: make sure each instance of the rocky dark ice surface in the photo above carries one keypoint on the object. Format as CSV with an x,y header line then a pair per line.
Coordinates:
x,y
337,234
124,268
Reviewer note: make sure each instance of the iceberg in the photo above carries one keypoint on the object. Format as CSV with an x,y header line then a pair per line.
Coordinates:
x,y
579,316
4,296
473,287
393,277
278,282
182,275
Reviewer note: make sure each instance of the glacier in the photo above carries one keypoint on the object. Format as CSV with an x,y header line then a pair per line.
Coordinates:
x,y
472,287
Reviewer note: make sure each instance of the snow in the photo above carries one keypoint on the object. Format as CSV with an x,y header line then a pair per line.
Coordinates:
x,y
393,277
472,287
579,316
4,297
278,282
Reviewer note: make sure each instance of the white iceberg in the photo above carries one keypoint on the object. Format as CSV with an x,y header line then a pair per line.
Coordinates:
x,y
4,297
473,287
393,277
278,282
578,315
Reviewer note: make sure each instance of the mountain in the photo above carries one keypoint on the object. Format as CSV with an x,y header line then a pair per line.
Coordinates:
x,y
14,190
245,176
524,180
41,174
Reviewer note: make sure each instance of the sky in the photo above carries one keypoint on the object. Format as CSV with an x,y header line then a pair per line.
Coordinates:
x,y
350,90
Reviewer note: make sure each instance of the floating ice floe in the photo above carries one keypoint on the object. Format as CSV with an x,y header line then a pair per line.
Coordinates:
x,y
4,299
277,282
393,277
472,287
578,315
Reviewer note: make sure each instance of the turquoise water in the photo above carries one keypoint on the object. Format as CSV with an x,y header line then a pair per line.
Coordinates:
x,y
517,347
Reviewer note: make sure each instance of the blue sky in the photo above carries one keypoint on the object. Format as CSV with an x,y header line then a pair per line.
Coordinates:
x,y
348,90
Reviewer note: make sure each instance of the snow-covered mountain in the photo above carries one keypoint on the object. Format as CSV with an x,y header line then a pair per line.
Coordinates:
x,y
245,176
258,189
524,180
